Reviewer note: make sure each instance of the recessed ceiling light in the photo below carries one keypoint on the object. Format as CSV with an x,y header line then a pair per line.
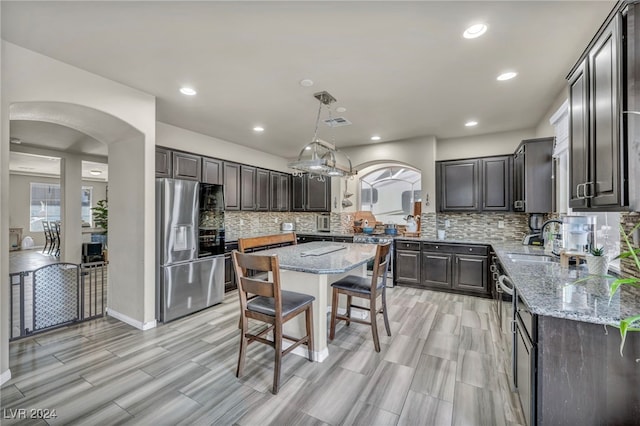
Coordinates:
x,y
375,138
187,91
307,148
475,31
471,123
95,172
506,76
258,129
306,82
341,109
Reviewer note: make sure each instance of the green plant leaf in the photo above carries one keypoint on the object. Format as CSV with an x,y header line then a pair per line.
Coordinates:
x,y
626,326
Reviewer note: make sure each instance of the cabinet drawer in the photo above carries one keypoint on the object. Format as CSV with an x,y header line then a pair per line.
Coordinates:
x,y
408,245
456,248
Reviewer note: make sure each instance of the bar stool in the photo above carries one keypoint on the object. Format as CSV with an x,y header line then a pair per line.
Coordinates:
x,y
365,288
48,241
272,306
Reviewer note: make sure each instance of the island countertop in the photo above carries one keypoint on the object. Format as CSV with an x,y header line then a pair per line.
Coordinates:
x,y
344,259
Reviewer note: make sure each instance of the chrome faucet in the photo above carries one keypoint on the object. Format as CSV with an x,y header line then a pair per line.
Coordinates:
x,y
544,225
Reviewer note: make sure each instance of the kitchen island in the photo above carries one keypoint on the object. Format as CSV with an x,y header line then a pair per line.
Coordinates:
x,y
305,270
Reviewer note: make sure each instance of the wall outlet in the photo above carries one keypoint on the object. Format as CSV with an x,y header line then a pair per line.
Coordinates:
x,y
241,222
276,220
447,223
297,220
501,224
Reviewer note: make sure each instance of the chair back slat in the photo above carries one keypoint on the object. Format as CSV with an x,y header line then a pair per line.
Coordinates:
x,y
257,286
264,241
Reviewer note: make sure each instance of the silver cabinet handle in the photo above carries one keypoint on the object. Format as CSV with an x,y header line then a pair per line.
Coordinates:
x,y
583,185
589,194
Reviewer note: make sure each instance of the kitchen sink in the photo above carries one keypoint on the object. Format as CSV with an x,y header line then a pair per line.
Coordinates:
x,y
527,257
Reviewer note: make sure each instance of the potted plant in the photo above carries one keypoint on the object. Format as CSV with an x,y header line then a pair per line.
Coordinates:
x,y
631,323
100,215
597,262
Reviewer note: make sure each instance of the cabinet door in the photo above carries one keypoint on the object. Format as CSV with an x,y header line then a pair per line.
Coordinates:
x,y
578,136
279,201
285,195
518,180
298,193
604,184
459,185
407,268
163,163
496,183
231,186
247,188
186,166
262,190
470,273
212,171
436,270
229,274
318,194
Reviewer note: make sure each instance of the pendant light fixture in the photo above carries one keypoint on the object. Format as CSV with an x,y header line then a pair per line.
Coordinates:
x,y
320,158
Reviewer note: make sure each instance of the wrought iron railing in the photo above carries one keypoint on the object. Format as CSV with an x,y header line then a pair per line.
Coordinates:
x,y
56,295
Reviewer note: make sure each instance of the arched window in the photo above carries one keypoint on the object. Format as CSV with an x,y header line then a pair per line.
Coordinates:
x,y
390,192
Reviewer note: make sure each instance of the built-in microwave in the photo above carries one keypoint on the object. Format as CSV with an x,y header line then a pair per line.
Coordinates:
x,y
323,223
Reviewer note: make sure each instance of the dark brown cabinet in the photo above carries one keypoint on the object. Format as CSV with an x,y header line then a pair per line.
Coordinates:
x,y
187,166
247,188
231,173
229,273
475,184
279,200
595,97
163,163
310,194
407,262
212,171
262,190
458,185
456,268
533,176
496,183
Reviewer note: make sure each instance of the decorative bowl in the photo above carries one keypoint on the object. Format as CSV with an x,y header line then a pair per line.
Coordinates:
x,y
367,230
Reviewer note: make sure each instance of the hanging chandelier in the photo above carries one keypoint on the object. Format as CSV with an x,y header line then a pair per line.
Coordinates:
x,y
320,158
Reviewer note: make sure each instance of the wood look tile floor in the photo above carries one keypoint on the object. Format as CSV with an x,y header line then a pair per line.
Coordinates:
x,y
444,364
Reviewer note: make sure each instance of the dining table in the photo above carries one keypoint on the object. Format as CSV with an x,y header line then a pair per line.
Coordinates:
x,y
310,268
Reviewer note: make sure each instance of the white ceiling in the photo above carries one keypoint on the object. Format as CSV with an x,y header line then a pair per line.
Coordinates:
x,y
401,69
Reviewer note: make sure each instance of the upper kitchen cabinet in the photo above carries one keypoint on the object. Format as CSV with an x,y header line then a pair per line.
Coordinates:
x,y
231,172
247,188
458,185
310,194
279,200
597,87
532,176
187,166
476,184
212,171
262,190
163,163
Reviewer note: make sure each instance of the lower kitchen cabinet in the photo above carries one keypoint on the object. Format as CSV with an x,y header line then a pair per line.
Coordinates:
x,y
456,268
229,273
407,263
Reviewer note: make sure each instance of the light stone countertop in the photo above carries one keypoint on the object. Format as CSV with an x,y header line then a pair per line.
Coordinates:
x,y
337,262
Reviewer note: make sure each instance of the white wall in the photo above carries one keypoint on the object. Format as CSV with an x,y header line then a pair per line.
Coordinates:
x,y
19,200
175,137
482,145
543,128
30,78
419,153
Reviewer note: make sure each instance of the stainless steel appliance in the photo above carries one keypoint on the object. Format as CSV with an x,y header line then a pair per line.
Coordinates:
x,y
287,226
323,223
535,238
524,358
377,239
189,247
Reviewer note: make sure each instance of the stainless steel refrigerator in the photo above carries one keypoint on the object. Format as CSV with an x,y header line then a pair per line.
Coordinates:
x,y
185,281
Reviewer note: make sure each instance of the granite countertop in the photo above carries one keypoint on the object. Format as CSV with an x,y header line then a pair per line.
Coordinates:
x,y
293,257
549,289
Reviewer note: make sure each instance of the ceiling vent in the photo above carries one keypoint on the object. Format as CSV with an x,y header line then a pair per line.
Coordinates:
x,y
336,122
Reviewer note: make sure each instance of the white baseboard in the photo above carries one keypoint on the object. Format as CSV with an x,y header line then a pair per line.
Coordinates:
x,y
132,322
303,352
5,377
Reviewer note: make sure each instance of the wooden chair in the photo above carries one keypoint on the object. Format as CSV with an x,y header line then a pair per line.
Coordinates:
x,y
55,237
272,306
48,241
265,241
365,288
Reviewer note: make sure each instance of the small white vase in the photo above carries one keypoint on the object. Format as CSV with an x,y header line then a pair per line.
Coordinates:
x,y
598,265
